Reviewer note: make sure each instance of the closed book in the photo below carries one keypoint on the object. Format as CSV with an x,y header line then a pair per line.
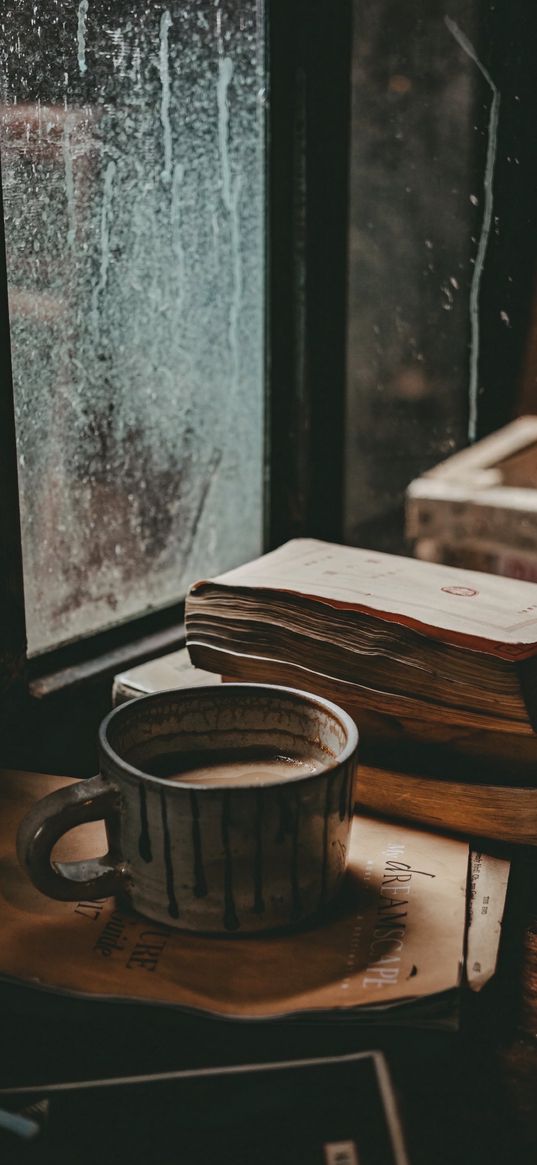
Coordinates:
x,y
410,639
337,1110
503,813
476,783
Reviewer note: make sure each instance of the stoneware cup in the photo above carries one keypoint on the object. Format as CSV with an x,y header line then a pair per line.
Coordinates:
x,y
210,859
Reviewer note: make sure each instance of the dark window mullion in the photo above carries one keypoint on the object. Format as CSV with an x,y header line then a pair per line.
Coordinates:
x,y
310,53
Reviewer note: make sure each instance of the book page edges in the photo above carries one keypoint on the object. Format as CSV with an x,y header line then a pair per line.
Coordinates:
x,y
505,813
515,643
223,662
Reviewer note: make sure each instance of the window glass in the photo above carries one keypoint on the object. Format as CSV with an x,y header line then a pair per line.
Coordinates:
x,y
133,176
422,112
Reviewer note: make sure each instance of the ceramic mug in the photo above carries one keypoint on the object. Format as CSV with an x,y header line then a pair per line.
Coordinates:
x,y
208,854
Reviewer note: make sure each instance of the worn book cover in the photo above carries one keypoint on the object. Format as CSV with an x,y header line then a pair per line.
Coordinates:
x,y
325,1111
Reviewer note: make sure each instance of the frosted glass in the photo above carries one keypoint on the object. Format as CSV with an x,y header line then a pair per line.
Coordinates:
x,y
133,174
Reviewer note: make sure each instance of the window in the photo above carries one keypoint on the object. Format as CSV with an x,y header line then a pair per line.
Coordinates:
x,y
132,139
142,147
443,236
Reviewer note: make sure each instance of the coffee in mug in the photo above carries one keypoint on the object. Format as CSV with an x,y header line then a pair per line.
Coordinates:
x,y
227,809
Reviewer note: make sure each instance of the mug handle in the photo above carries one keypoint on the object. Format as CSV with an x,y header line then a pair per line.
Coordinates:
x,y
56,814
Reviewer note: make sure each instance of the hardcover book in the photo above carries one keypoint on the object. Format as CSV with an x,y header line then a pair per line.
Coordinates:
x,y
326,1111
420,654
482,805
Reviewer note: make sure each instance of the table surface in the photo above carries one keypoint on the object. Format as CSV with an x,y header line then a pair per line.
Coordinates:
x,y
468,1096
464,1097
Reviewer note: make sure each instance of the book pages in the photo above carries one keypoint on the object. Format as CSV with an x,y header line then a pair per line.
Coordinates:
x,y
355,698
489,877
493,614
396,937
173,670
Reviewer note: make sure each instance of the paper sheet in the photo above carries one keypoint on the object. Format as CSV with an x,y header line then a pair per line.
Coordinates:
x,y
489,877
396,934
157,675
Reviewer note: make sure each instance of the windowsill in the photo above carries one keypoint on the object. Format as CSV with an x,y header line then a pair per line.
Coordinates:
x,y
105,665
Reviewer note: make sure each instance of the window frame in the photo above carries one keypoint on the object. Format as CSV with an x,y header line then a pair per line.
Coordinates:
x,y
308,69
308,55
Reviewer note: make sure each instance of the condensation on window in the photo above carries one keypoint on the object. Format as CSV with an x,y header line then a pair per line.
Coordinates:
x,y
133,177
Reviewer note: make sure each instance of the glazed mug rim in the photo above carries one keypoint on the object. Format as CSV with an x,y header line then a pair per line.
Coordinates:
x,y
235,690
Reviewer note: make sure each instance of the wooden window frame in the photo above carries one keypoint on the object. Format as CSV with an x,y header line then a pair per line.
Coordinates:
x,y
308,82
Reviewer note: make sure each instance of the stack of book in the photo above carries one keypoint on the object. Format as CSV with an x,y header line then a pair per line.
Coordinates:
x,y
416,652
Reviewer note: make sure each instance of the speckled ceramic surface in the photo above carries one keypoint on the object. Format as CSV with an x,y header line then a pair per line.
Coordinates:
x,y
221,858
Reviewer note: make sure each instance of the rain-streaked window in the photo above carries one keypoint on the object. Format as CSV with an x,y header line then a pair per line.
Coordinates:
x,y
133,178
